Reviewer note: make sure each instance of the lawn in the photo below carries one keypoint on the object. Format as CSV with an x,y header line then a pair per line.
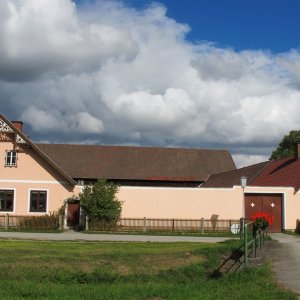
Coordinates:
x,y
82,270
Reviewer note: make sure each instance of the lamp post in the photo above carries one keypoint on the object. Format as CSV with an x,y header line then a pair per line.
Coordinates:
x,y
243,181
243,185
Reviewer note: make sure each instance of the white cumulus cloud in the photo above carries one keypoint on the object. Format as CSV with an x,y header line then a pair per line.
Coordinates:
x,y
108,73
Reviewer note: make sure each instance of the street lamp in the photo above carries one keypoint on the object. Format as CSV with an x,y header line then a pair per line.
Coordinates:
x,y
243,181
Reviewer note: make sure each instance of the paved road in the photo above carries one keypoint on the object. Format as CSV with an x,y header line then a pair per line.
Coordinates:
x,y
286,260
77,236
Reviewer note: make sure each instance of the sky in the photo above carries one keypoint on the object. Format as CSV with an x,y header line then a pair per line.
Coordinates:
x,y
171,73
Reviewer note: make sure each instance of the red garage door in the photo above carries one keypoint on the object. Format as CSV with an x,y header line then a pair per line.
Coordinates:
x,y
268,203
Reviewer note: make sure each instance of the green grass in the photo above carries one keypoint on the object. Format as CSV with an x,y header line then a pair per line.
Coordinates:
x,y
290,232
82,270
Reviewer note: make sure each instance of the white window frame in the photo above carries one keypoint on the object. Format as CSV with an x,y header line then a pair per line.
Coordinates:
x,y
47,201
14,199
10,155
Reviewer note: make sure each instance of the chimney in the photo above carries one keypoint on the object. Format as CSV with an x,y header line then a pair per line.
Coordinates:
x,y
18,124
298,151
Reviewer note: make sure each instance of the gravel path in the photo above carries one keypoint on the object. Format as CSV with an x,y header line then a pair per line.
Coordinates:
x,y
286,260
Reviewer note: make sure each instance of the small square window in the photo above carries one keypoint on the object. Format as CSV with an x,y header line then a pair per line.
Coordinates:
x,y
11,159
38,201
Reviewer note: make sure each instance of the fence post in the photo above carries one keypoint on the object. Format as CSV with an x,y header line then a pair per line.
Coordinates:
x,y
86,223
173,225
145,225
61,222
245,246
242,227
202,225
254,242
297,230
6,221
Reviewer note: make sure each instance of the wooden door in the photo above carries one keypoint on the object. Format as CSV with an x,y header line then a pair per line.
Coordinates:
x,y
268,203
73,214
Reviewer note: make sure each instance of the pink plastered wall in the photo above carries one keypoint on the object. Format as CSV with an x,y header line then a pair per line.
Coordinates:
x,y
30,166
139,202
32,173
187,203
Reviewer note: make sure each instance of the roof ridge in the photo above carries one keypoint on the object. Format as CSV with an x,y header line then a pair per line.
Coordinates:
x,y
288,157
264,162
267,163
131,146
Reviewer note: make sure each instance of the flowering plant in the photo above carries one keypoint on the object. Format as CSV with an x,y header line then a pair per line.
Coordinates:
x,y
262,220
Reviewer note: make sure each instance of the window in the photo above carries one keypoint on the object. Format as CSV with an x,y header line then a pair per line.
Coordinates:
x,y
11,158
6,200
38,201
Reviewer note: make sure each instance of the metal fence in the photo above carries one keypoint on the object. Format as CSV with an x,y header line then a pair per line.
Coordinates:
x,y
168,225
253,239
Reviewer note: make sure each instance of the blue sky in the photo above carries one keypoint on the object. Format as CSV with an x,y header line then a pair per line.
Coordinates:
x,y
202,74
270,25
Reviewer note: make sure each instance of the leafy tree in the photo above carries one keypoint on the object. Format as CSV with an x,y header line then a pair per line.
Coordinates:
x,y
287,146
99,201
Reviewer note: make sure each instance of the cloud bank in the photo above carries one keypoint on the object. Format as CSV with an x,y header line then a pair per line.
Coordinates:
x,y
108,73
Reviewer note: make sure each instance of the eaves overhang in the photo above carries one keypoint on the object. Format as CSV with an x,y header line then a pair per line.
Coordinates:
x,y
39,151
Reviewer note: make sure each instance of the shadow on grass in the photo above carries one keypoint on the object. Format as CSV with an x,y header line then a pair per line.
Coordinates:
x,y
229,264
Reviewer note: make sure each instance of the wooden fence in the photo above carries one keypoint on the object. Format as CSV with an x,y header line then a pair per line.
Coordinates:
x,y
123,225
169,225
29,222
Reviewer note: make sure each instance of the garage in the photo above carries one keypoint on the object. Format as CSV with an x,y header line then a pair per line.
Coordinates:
x,y
268,203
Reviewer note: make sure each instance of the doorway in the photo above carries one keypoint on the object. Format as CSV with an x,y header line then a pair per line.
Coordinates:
x,y
268,203
73,214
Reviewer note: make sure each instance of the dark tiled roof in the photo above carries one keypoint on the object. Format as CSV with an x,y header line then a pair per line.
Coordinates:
x,y
284,172
138,163
229,179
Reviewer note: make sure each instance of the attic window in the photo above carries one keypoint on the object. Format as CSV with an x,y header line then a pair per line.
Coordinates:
x,y
11,159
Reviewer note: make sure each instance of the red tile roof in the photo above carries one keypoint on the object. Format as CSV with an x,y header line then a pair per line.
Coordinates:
x,y
138,163
284,172
229,179
278,173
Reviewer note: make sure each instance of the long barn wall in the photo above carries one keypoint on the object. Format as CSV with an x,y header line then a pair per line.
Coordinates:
x,y
190,203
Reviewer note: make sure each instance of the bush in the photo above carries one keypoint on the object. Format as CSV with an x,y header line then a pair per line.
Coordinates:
x,y
103,225
100,203
50,221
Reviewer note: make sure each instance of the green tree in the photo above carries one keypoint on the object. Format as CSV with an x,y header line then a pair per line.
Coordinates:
x,y
287,146
99,201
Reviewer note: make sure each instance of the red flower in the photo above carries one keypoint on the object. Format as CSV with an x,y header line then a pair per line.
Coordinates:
x,y
262,219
